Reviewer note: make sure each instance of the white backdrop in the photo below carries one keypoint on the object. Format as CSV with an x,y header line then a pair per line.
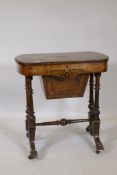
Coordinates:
x,y
41,26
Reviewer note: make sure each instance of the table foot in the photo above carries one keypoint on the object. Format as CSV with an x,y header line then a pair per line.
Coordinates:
x,y
99,145
33,154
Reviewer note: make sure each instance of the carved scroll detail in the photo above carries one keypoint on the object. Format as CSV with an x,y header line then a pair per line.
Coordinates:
x,y
65,74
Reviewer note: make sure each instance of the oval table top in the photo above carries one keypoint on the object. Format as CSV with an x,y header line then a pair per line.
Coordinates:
x,y
60,58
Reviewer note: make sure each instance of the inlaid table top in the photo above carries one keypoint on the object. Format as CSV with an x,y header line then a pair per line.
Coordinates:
x,y
53,58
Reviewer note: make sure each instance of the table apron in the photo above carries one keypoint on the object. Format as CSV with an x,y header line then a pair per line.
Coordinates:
x,y
51,69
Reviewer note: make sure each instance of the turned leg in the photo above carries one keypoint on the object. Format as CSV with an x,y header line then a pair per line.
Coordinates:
x,y
91,104
26,122
30,118
96,121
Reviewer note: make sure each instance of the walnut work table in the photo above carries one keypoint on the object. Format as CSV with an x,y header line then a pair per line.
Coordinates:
x,y
64,75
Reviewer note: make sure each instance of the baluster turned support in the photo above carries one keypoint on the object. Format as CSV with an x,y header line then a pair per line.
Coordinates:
x,y
30,118
96,122
91,104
